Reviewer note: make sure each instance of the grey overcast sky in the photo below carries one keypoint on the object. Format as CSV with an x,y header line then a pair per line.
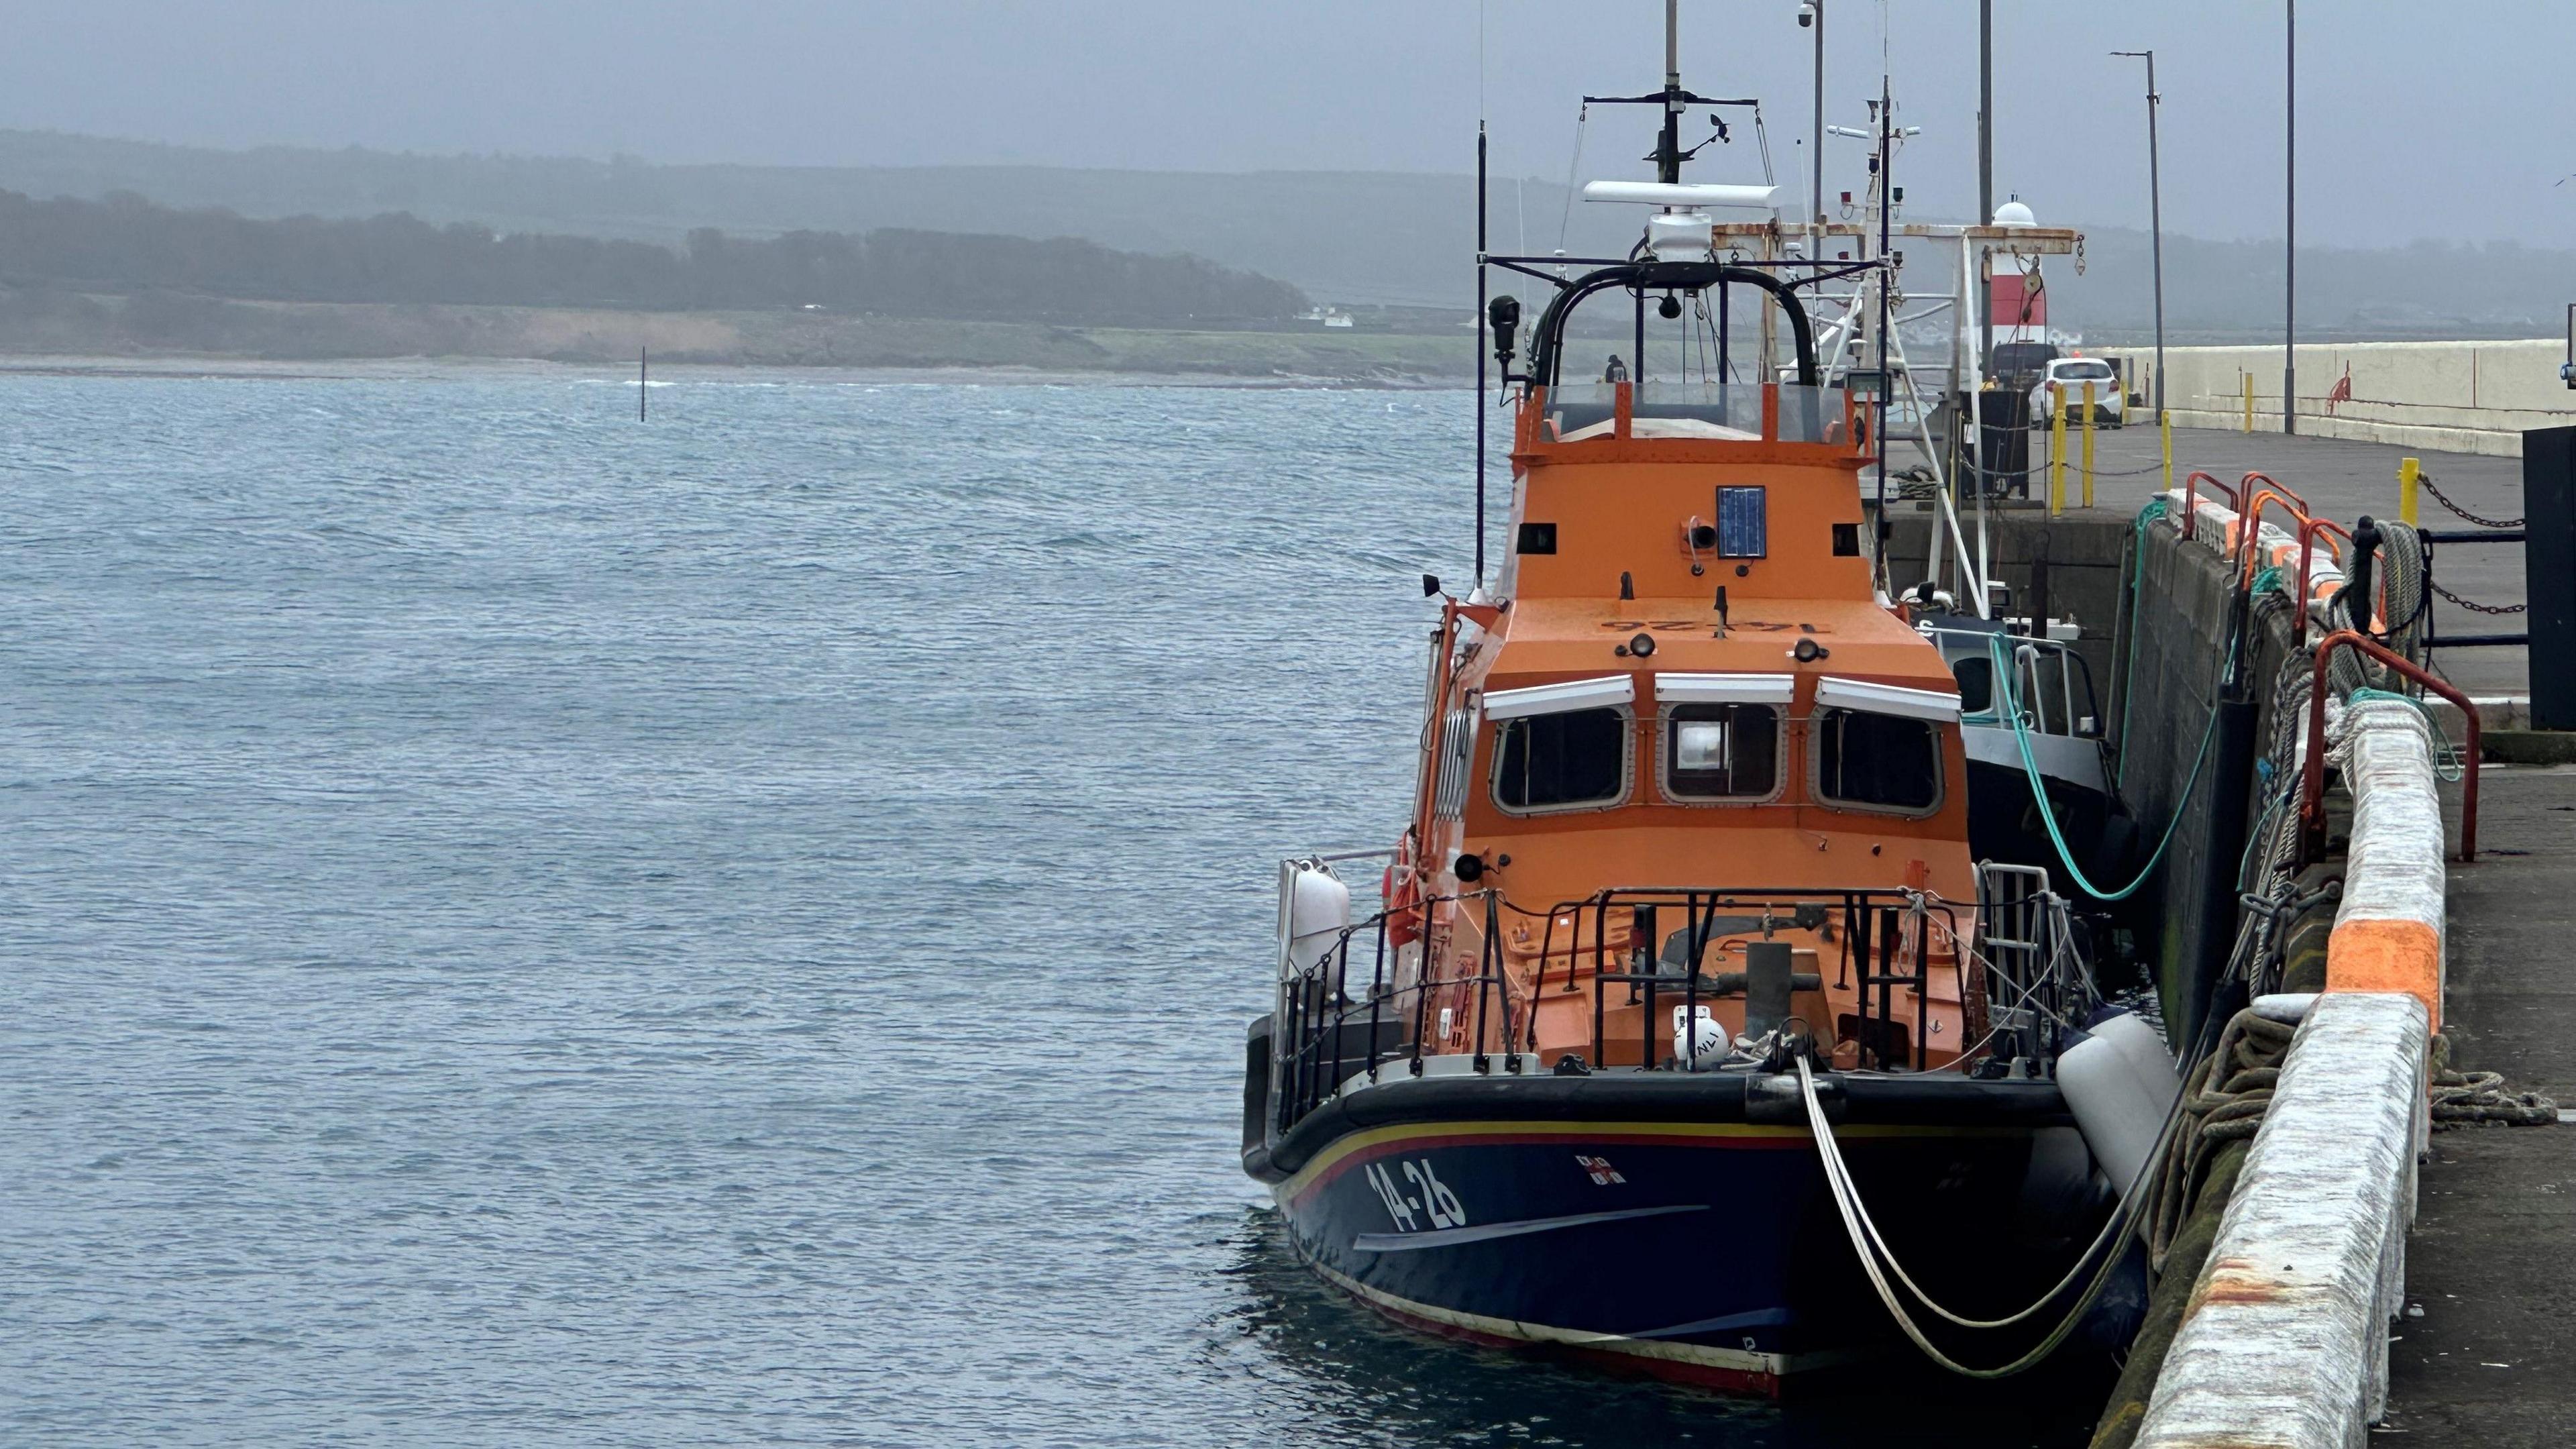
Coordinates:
x,y
2416,120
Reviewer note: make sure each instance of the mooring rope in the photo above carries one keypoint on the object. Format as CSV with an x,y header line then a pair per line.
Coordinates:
x,y
2226,1098
1863,1236
2460,1098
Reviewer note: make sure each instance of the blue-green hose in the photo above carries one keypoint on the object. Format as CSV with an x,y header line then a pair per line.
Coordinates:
x,y
2155,509
2010,699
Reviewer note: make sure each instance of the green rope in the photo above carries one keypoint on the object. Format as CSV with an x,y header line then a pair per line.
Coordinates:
x,y
2448,766
2269,577
2155,509
2011,709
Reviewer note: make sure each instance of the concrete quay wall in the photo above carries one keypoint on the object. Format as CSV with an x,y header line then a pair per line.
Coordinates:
x,y
2284,1338
2461,397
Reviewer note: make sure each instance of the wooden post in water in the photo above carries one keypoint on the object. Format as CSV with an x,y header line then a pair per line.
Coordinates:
x,y
643,378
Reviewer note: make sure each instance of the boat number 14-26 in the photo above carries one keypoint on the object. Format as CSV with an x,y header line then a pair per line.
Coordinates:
x,y
1427,1194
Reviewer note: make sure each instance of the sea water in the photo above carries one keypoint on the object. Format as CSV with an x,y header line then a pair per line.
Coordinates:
x,y
528,926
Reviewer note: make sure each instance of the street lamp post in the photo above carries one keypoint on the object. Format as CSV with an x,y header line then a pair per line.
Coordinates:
x,y
1985,172
2290,212
1812,13
2155,221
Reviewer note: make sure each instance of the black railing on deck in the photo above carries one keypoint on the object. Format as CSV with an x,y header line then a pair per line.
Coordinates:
x,y
1313,1029
1891,924
1325,1031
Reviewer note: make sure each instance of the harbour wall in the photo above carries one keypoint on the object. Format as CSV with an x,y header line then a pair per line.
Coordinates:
x,y
2461,397
2283,1337
2185,738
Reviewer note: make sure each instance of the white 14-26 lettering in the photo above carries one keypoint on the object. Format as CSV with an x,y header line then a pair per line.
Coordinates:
x,y
1430,1195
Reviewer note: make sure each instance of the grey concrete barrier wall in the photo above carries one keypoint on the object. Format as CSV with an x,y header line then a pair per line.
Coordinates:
x,y
2457,397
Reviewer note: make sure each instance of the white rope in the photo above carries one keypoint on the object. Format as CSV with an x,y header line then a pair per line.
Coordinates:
x,y
1864,1235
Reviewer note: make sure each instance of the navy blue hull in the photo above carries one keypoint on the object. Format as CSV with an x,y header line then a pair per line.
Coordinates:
x,y
1707,1251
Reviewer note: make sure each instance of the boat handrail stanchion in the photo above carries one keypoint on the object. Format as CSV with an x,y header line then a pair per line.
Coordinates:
x,y
1600,998
1696,940
1377,993
1422,987
1339,975
1922,913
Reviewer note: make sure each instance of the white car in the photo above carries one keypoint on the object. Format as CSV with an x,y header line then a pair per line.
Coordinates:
x,y
2065,379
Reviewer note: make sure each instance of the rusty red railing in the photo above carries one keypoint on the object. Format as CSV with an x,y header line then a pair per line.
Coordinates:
x,y
2312,783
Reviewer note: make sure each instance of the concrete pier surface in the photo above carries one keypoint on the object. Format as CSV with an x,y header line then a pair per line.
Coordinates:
x,y
2492,1260
2345,480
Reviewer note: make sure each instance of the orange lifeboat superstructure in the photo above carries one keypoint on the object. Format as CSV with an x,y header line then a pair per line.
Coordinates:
x,y
1686,875
1690,598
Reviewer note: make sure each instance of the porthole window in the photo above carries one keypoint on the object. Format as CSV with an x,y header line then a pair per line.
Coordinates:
x,y
1721,751
1869,761
1561,761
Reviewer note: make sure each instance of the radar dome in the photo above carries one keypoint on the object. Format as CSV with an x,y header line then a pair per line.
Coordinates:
x,y
2015,212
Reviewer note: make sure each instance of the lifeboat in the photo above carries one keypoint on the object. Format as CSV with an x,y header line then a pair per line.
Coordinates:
x,y
1684,957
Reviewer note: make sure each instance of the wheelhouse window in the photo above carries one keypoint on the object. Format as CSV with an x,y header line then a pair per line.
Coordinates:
x,y
1721,751
1872,761
1562,760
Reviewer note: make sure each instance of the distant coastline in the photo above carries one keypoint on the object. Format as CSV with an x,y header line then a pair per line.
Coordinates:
x,y
98,332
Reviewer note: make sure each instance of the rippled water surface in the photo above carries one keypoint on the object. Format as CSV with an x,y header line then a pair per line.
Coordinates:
x,y
526,927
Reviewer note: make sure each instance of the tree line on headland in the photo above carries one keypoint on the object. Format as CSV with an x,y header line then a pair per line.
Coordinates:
x,y
124,243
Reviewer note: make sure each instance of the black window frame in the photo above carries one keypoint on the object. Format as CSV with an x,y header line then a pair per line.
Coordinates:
x,y
1500,730
1823,718
1667,753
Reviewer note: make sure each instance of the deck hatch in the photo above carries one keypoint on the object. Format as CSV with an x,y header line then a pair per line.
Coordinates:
x,y
1743,525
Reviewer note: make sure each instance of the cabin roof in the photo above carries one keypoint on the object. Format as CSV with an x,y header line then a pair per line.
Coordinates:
x,y
1556,638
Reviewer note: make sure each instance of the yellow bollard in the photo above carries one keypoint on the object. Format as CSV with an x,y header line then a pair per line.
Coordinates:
x,y
2057,453
2249,402
2088,445
2164,425
2408,470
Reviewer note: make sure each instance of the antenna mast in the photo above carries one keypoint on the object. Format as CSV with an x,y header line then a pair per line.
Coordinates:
x,y
1668,149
